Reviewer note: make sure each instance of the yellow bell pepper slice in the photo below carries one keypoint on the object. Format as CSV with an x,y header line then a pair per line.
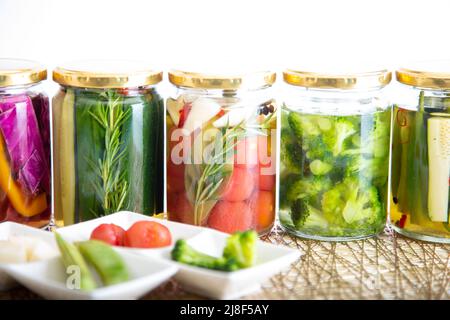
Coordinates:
x,y
24,205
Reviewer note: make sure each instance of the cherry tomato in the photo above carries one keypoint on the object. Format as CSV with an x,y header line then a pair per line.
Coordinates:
x,y
172,200
184,210
109,233
147,234
264,178
246,155
175,183
231,217
262,204
240,185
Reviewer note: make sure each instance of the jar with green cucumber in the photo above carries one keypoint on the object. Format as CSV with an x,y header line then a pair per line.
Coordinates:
x,y
107,140
334,153
420,203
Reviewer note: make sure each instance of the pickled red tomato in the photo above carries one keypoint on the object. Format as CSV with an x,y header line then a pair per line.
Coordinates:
x,y
262,204
264,180
172,200
231,216
184,210
175,184
240,185
246,153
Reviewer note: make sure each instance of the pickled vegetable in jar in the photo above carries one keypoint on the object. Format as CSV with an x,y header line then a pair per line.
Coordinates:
x,y
108,135
421,153
334,158
25,189
221,151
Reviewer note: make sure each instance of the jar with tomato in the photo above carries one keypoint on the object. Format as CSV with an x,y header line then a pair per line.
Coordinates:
x,y
221,150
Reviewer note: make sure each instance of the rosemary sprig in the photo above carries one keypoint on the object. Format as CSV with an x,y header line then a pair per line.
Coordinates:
x,y
214,172
111,185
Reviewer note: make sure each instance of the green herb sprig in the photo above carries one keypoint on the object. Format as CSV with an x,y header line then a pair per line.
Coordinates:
x,y
112,186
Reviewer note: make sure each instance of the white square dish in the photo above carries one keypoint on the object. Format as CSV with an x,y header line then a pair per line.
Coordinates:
x,y
271,259
48,279
82,231
12,229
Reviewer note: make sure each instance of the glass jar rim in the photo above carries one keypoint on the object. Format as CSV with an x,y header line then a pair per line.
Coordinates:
x,y
426,74
223,81
17,72
338,80
106,74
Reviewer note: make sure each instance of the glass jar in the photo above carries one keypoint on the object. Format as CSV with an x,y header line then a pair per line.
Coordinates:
x,y
108,125
334,154
25,190
221,150
421,153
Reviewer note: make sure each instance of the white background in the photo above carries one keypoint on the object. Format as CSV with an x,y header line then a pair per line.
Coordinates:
x,y
227,33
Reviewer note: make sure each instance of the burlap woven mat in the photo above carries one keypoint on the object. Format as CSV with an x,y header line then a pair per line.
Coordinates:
x,y
386,267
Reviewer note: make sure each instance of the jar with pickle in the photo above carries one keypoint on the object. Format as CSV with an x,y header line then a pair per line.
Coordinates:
x,y
108,135
25,188
334,154
221,150
420,205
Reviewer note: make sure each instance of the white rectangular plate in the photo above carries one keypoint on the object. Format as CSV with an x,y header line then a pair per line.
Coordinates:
x,y
48,279
9,229
125,219
271,259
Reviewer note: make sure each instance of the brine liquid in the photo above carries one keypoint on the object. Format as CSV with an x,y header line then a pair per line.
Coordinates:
x,y
346,197
414,199
25,188
108,153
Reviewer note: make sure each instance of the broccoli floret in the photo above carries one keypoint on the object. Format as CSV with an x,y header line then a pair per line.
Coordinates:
x,y
291,155
303,125
335,139
239,252
184,253
362,205
241,248
299,187
373,170
374,137
315,148
304,215
319,167
351,203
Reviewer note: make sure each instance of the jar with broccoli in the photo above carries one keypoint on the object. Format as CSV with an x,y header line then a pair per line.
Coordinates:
x,y
334,166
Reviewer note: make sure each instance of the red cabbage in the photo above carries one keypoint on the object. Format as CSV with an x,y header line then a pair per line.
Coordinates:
x,y
20,130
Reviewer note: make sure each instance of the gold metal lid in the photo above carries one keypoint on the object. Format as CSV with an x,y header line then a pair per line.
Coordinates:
x,y
224,81
16,72
106,74
426,74
338,80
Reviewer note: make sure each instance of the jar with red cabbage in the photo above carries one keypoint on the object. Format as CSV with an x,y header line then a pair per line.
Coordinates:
x,y
25,189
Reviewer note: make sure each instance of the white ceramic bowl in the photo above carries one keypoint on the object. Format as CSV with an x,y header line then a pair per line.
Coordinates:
x,y
10,229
